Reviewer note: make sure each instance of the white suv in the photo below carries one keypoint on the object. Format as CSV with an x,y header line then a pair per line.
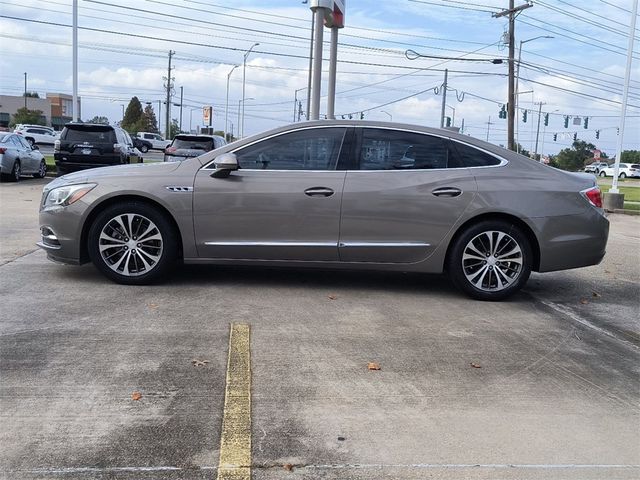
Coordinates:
x,y
156,140
626,170
37,134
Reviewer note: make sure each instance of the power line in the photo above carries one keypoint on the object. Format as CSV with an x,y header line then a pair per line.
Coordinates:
x,y
452,6
616,6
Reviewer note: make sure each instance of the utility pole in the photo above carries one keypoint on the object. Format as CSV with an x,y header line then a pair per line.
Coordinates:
x,y
226,104
316,84
167,117
444,97
299,109
488,125
511,111
244,78
25,90
74,108
535,150
159,115
181,92
313,25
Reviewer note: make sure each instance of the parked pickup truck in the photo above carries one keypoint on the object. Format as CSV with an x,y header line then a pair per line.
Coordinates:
x,y
156,140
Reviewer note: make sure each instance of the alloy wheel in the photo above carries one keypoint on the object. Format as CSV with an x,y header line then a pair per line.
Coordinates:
x,y
492,261
130,244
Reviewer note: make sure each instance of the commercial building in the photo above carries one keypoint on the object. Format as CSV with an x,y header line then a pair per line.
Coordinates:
x,y
55,108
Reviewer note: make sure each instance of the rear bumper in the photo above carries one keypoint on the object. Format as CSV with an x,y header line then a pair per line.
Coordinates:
x,y
572,241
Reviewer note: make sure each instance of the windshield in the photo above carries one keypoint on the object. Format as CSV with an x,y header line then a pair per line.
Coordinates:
x,y
4,137
193,143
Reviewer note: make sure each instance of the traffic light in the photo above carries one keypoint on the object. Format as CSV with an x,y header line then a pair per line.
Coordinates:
x,y
503,112
586,122
448,121
361,115
566,121
546,119
524,116
597,133
555,137
575,136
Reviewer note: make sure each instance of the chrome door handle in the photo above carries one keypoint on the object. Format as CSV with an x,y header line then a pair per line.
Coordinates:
x,y
319,192
447,192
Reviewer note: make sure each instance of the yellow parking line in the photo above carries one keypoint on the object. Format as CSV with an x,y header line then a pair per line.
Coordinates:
x,y
235,438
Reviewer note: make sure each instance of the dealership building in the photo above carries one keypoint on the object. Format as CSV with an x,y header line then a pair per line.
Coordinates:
x,y
55,108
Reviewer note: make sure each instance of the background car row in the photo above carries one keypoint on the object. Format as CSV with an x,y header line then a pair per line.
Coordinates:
x,y
18,157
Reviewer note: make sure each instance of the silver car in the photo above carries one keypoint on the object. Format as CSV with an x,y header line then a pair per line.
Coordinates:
x,y
333,194
18,158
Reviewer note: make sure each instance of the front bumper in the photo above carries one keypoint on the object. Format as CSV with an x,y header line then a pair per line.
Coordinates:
x,y
61,233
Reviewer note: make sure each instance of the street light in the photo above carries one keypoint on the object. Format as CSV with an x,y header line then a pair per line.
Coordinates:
x,y
241,103
244,74
226,108
390,116
518,72
295,104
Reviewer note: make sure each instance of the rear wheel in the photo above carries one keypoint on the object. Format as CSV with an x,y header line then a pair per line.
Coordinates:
x,y
14,175
144,149
603,174
132,243
490,260
623,175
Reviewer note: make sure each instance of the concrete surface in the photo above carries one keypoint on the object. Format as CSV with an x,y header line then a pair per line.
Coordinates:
x,y
555,397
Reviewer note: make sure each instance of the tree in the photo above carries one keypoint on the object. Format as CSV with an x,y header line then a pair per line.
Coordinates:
x,y
521,150
230,138
174,129
99,119
133,120
574,158
630,156
31,94
24,115
151,123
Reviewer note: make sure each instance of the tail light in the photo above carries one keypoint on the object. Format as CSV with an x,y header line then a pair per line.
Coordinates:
x,y
170,149
594,196
2,150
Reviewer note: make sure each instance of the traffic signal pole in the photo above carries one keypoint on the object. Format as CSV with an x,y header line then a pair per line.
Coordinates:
x,y
444,97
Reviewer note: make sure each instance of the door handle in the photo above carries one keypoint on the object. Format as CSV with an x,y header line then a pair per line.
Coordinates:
x,y
319,192
447,192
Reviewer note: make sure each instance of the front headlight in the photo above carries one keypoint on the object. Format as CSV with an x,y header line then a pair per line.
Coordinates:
x,y
63,196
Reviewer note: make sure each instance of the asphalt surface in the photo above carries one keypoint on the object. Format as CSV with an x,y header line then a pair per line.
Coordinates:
x,y
555,395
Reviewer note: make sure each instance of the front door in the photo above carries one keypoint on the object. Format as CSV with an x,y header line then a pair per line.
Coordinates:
x,y
409,191
282,204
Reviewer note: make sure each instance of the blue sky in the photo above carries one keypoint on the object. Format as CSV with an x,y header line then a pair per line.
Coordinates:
x,y
578,73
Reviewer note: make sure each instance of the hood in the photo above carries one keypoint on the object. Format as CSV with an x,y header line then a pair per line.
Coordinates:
x,y
95,174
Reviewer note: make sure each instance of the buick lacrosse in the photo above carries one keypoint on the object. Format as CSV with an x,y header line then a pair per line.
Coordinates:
x,y
333,194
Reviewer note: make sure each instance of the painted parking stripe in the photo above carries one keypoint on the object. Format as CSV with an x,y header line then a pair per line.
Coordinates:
x,y
235,438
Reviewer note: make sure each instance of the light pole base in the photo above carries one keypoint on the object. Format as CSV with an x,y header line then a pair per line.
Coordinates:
x,y
613,201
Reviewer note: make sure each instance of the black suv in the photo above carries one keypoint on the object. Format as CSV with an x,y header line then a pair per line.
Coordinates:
x,y
86,145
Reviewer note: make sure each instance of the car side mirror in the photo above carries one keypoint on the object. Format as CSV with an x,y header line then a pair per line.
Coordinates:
x,y
225,164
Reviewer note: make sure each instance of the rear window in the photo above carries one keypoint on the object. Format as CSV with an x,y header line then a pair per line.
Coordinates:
x,y
4,137
472,157
89,134
635,166
193,143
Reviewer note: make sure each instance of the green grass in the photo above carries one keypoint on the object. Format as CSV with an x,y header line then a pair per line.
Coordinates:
x,y
632,206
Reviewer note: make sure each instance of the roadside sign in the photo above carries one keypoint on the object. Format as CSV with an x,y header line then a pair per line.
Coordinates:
x,y
207,115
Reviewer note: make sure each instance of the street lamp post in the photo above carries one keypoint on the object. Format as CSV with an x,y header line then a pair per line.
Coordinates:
x,y
390,116
522,42
241,103
244,74
226,108
295,103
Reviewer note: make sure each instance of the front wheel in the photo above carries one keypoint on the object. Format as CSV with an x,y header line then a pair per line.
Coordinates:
x,y
42,170
622,175
603,174
132,243
490,260
144,149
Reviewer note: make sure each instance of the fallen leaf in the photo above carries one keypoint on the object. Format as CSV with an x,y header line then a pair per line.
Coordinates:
x,y
475,365
199,363
373,366
332,297
584,301
288,467
136,396
153,305
595,294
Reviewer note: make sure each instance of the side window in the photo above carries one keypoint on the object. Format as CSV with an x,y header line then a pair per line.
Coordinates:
x,y
17,143
23,143
311,149
472,157
398,150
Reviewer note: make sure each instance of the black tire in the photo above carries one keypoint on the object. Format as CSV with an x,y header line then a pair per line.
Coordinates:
x,y
144,149
602,174
14,176
622,175
42,170
165,249
517,265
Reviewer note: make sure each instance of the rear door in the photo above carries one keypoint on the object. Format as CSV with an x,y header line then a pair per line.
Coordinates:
x,y
282,204
408,191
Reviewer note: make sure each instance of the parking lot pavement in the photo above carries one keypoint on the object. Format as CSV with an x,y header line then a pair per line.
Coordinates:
x,y
545,386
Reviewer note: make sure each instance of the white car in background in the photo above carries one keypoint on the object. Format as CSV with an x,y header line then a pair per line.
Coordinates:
x,y
37,134
156,140
627,170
